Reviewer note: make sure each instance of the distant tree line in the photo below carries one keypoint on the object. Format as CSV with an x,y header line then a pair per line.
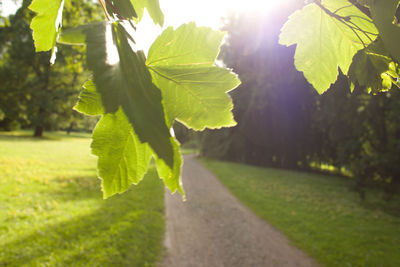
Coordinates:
x,y
284,123
35,94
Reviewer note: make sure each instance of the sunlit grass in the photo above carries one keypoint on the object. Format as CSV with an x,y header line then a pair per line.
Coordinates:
x,y
319,213
327,168
52,212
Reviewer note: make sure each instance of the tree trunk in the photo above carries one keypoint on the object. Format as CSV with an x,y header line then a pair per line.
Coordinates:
x,y
38,131
69,129
41,116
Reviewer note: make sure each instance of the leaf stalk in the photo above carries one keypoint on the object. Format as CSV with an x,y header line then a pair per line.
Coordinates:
x,y
104,9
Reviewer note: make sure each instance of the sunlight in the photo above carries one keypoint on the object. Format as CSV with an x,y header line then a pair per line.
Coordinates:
x,y
209,13
9,7
253,6
111,49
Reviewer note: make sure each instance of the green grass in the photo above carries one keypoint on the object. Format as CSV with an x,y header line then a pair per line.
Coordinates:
x,y
319,213
52,212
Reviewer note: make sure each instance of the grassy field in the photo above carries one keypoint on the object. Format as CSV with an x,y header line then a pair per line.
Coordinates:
x,y
52,212
319,213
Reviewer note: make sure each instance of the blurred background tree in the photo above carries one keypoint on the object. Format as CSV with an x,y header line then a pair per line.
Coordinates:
x,y
274,105
283,122
36,94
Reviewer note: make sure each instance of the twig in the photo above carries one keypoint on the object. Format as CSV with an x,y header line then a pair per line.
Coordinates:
x,y
104,9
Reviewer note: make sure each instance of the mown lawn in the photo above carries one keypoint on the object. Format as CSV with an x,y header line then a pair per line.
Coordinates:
x,y
52,212
319,213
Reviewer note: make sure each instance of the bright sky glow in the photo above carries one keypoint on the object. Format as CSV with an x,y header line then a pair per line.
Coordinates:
x,y
8,7
111,50
209,12
205,13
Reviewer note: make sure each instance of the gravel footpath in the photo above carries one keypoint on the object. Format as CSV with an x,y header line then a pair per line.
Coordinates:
x,y
212,228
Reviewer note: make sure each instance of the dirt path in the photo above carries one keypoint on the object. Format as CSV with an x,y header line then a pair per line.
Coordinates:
x,y
212,228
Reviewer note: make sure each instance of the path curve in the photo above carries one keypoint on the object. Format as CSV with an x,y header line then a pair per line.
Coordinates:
x,y
212,228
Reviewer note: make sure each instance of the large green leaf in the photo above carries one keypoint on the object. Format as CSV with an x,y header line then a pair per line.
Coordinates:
x,y
189,45
122,159
325,43
74,36
89,102
46,24
172,176
122,79
153,8
383,12
194,90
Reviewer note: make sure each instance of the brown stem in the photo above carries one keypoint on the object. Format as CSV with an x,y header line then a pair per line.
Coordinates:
x,y
104,9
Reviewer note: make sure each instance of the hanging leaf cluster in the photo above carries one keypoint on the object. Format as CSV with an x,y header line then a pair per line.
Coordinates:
x,y
359,38
139,99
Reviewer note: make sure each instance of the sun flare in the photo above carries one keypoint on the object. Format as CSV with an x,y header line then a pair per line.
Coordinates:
x,y
207,13
251,6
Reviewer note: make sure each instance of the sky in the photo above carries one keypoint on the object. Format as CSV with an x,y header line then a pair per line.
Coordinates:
x,y
203,12
8,7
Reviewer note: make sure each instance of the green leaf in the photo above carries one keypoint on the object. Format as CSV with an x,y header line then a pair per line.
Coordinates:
x,y
394,71
46,24
123,80
386,82
371,67
189,45
130,9
194,90
74,36
118,167
383,14
89,102
172,177
123,7
153,8
122,159
323,42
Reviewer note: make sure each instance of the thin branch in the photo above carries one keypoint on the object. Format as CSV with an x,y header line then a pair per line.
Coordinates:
x,y
104,9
